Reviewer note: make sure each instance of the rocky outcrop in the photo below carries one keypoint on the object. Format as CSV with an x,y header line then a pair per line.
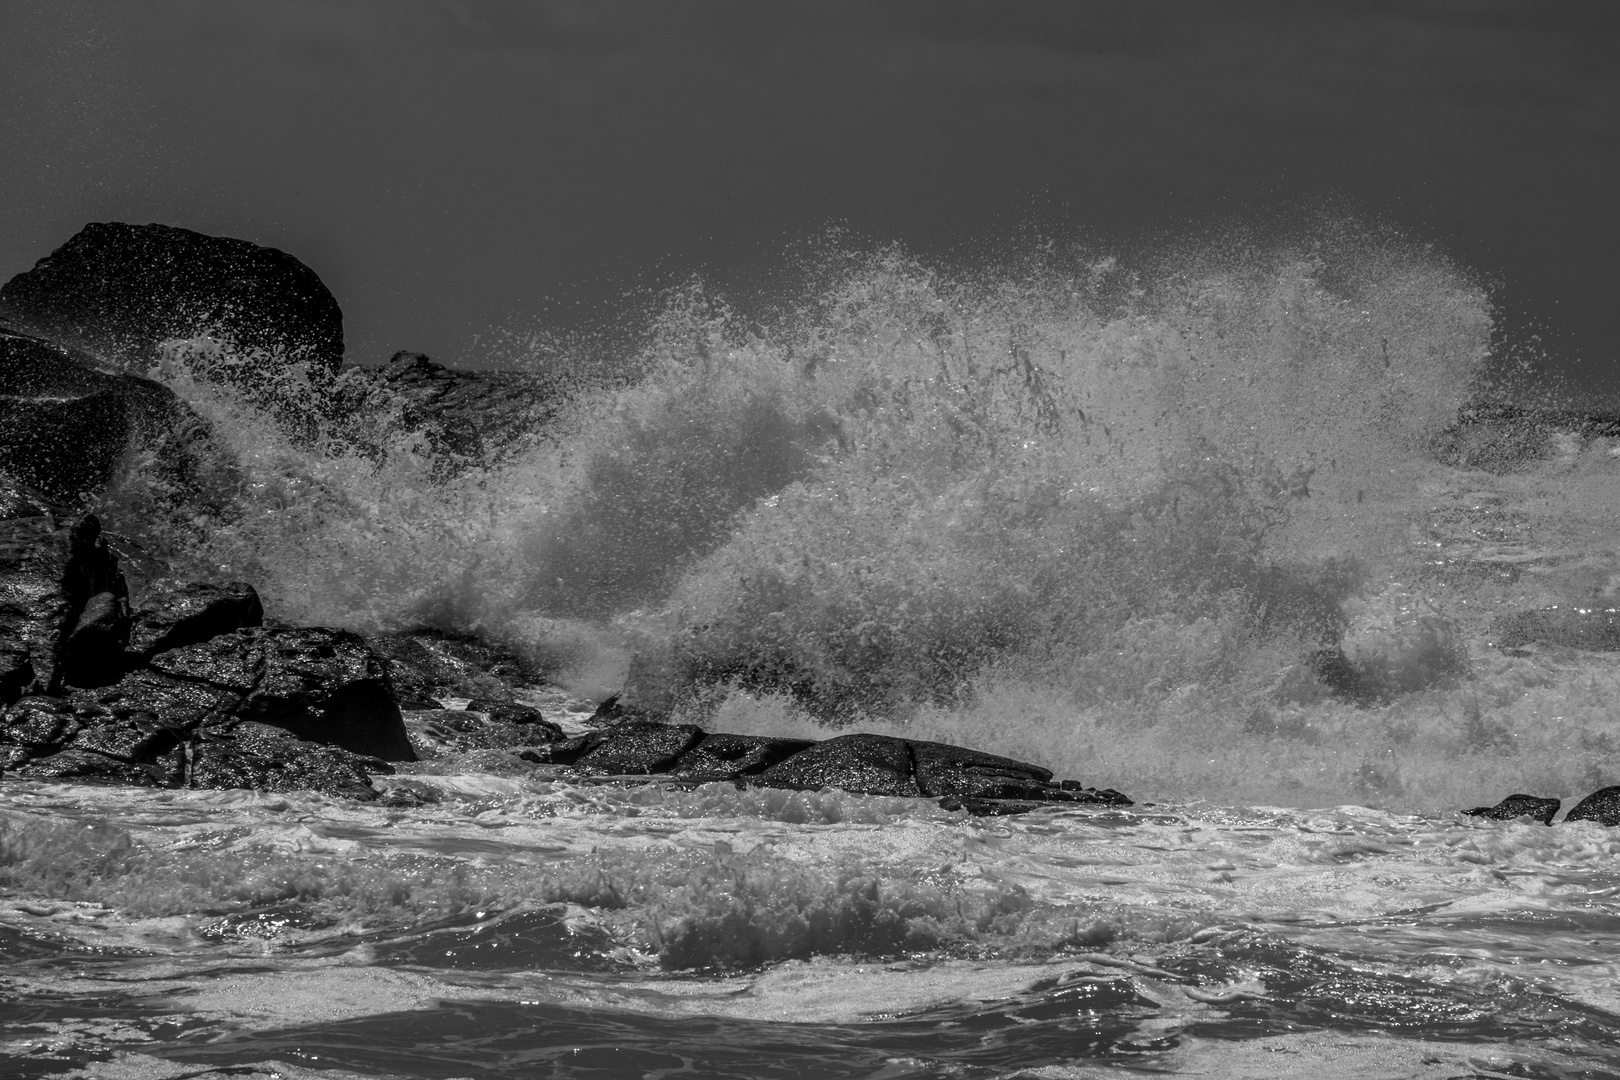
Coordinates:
x,y
1518,806
118,291
864,764
65,427
465,416
1595,629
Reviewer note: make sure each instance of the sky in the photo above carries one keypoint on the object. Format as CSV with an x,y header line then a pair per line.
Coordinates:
x,y
453,168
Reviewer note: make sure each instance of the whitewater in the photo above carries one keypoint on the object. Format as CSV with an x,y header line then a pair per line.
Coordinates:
x,y
1103,513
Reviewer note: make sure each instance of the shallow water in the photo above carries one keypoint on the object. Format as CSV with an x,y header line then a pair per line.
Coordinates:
x,y
1092,516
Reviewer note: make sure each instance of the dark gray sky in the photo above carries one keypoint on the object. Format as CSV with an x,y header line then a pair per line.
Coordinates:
x,y
448,165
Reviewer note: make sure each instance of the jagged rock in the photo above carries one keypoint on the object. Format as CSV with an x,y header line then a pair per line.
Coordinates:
x,y
118,291
268,758
470,415
1597,630
633,748
863,764
726,757
1078,792
1517,806
428,667
1602,806
173,615
321,684
64,427
48,572
943,770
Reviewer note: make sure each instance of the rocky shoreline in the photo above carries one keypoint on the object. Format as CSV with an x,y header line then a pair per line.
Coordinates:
x,y
187,684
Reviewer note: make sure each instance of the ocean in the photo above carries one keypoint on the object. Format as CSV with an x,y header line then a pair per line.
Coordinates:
x,y
1106,513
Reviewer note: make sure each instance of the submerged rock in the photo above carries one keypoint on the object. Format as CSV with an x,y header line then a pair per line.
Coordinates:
x,y
118,291
1602,806
1594,629
1518,806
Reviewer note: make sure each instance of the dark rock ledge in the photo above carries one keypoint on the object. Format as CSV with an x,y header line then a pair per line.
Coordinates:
x,y
1602,807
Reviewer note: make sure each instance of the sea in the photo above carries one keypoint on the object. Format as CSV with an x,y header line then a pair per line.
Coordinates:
x,y
1103,512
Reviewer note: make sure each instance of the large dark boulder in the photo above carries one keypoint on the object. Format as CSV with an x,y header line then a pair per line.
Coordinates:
x,y
65,428
118,291
1595,629
1602,806
1518,806
49,572
864,764
322,684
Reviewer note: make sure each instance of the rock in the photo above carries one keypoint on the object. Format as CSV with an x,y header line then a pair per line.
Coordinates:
x,y
173,615
1597,630
48,573
428,667
728,757
1517,806
118,291
468,415
633,748
863,764
943,770
1602,806
437,732
268,758
1103,796
321,684
506,711
65,428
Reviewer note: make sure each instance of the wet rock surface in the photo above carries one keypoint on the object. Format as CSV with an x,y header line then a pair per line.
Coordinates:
x,y
66,426
864,764
1602,806
1518,806
174,614
118,290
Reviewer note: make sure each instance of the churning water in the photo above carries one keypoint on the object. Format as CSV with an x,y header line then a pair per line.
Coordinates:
x,y
1089,513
